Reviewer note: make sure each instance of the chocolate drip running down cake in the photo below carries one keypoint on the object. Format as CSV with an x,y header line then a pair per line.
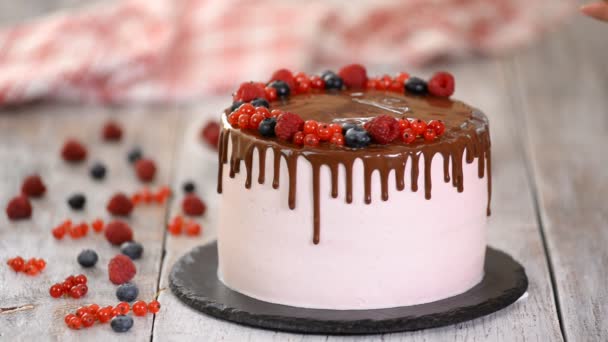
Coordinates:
x,y
352,193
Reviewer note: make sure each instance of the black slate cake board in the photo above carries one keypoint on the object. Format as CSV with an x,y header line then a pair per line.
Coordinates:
x,y
194,280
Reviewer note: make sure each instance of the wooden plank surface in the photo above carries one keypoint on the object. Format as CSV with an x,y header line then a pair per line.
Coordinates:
x,y
563,86
31,141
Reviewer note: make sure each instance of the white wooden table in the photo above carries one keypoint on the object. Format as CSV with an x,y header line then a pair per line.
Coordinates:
x,y
548,108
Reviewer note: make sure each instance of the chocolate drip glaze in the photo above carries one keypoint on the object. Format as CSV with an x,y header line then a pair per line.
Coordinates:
x,y
466,130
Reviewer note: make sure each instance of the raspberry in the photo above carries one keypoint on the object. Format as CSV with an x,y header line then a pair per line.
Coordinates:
x,y
249,91
353,75
383,129
145,169
120,205
111,131
193,206
118,232
211,133
19,208
33,187
285,76
442,84
73,151
121,269
287,125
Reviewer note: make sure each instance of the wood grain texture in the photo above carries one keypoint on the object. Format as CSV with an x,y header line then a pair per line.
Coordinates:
x,y
563,86
31,141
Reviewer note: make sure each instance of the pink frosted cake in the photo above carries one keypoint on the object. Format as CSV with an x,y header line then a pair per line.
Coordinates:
x,y
346,192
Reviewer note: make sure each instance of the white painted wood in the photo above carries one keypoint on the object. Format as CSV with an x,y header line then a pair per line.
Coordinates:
x,y
30,142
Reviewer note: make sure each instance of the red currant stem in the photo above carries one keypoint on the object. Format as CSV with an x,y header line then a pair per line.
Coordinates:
x,y
16,309
158,293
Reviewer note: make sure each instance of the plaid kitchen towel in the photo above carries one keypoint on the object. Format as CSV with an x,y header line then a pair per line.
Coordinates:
x,y
177,50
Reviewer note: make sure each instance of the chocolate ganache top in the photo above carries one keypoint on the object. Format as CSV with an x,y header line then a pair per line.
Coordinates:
x,y
466,134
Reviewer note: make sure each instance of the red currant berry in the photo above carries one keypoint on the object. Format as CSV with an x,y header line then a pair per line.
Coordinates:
x,y
104,315
193,229
337,139
271,93
311,140
74,233
246,108
87,320
58,232
403,124
264,111
300,74
402,77
335,128
93,308
317,82
233,118
323,132
123,308
310,127
75,292
31,269
68,317
298,138
80,279
384,83
17,264
67,286
408,136
438,126
40,264
81,311
115,312
371,83
75,323
304,86
140,308
275,113
56,291
254,121
244,121
396,87
154,306
418,126
97,225
430,135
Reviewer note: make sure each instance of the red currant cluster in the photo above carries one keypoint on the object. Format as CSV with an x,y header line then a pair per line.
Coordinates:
x,y
147,196
32,267
387,82
314,132
73,286
76,231
411,129
249,117
86,316
179,225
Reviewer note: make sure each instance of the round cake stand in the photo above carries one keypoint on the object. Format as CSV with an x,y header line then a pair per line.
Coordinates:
x,y
194,281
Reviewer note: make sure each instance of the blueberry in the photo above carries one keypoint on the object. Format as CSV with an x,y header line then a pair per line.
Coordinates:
x,y
328,73
235,105
121,323
132,249
189,187
260,102
333,82
127,292
266,127
282,88
134,155
416,86
357,137
98,171
347,126
77,201
87,258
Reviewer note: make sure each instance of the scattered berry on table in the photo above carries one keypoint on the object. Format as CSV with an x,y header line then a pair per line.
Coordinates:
x,y
75,323
121,323
287,125
140,308
120,205
442,84
353,75
383,129
416,86
81,311
16,263
87,258
56,291
77,201
33,186
80,279
121,269
357,137
134,155
145,169
127,292
418,126
211,133
282,88
73,151
260,102
189,187
267,126
192,205
248,91
104,315
19,208
132,249
193,228
97,225
98,171
175,226
111,131
68,317
123,308
154,306
118,232
87,320
93,308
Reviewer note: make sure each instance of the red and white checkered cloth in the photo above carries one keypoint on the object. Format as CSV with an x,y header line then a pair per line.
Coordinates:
x,y
176,50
